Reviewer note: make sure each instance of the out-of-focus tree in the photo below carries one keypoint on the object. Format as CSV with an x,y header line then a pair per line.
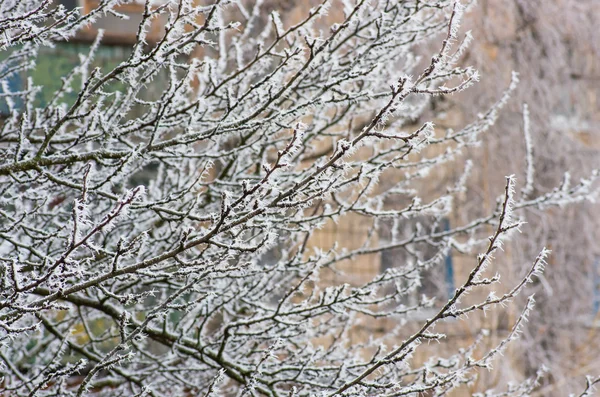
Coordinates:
x,y
555,48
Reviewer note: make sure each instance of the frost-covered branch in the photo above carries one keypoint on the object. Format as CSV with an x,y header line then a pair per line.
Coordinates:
x,y
160,218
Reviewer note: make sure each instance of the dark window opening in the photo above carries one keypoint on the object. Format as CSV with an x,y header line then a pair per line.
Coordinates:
x,y
436,281
596,281
13,83
69,4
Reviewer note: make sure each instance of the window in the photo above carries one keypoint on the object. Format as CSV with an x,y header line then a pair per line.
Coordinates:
x,y
52,64
596,291
11,83
436,281
69,4
448,266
